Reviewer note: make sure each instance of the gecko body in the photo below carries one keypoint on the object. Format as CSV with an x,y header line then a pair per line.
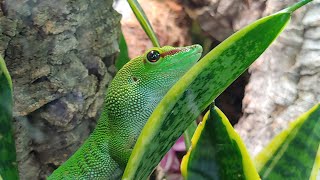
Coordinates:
x,y
131,98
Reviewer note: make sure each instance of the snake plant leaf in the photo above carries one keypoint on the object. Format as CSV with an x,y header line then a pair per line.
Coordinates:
x,y
217,152
123,56
198,88
144,22
8,166
292,153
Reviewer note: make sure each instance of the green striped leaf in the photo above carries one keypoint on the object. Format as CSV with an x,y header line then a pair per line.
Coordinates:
x,y
144,22
198,88
217,151
292,154
8,166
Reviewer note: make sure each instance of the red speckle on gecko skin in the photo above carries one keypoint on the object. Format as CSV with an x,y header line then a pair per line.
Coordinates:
x,y
172,52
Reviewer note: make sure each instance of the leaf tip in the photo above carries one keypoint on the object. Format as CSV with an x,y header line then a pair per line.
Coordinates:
x,y
296,6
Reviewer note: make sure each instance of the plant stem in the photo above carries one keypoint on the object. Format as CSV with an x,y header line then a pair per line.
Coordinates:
x,y
144,22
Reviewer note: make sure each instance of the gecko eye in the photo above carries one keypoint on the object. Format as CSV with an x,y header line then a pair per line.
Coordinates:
x,y
153,56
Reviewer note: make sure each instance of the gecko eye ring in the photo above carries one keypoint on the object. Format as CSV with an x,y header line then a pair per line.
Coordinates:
x,y
153,56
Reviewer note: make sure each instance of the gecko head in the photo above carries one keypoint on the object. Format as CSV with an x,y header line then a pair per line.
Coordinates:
x,y
160,66
136,90
164,65
169,58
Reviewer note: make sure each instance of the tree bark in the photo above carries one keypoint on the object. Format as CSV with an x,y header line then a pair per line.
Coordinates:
x,y
60,55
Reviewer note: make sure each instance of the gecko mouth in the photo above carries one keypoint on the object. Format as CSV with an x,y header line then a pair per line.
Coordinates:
x,y
172,52
197,48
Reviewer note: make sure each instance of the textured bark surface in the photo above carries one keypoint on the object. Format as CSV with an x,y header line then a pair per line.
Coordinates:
x,y
60,55
221,18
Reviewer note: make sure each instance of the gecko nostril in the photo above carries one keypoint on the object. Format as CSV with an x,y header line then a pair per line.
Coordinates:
x,y
134,79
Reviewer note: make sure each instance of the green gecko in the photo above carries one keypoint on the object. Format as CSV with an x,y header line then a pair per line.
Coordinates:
x,y
131,98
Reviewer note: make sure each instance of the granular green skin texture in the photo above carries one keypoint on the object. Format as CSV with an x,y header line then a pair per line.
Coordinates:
x,y
131,98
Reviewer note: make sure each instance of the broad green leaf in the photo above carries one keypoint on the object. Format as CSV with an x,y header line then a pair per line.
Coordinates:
x,y
197,89
292,154
8,166
144,22
217,152
123,56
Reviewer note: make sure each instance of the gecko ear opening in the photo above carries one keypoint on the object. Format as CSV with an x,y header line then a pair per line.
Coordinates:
x,y
153,56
